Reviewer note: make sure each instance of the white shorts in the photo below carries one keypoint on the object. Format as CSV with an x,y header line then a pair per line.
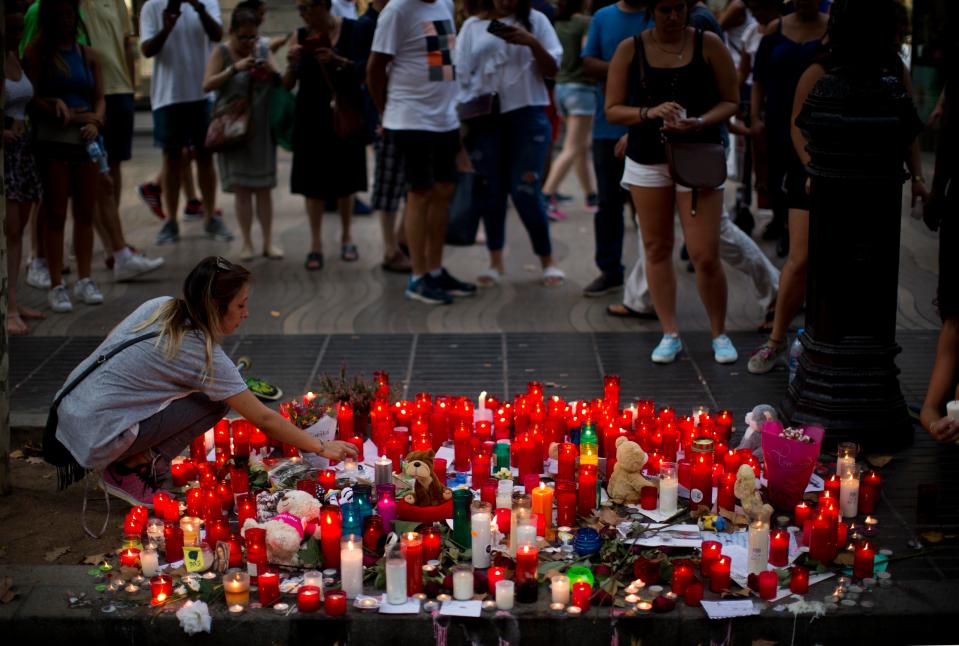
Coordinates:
x,y
651,176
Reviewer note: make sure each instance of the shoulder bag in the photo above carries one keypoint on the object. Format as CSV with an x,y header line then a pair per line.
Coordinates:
x,y
231,124
54,453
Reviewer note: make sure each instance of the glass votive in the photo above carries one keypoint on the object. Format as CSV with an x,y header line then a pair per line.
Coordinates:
x,y
308,598
236,588
335,604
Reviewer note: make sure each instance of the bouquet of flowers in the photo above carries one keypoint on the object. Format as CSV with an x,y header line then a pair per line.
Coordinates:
x,y
789,457
305,412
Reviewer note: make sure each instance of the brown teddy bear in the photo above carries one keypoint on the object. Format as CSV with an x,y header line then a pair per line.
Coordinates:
x,y
749,498
427,488
627,479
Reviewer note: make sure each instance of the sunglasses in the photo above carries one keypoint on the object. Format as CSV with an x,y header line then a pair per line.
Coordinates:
x,y
222,264
678,9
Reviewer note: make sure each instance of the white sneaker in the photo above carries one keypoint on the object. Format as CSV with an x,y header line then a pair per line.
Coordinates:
x,y
135,265
59,299
87,291
38,274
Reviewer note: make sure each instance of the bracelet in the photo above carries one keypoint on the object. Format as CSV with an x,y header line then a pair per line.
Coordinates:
x,y
919,179
701,122
644,113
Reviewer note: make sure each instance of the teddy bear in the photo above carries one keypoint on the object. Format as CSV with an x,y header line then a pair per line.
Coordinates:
x,y
749,498
627,479
298,515
427,488
755,419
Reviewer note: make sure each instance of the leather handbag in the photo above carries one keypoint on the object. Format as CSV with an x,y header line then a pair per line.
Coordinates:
x,y
696,165
347,120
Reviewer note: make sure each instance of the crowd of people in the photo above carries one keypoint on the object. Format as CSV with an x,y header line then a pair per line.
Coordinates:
x,y
655,93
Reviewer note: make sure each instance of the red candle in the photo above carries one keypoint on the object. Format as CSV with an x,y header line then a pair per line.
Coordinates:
x,y
194,502
682,577
527,560
842,532
648,498
358,443
432,543
335,603
217,530
711,550
864,560
242,433
869,492
268,582
180,473
821,537
141,514
731,461
488,490
173,543
236,552
258,440
833,484
798,580
130,557
221,436
694,594
439,468
461,448
161,587
198,449
701,480
481,465
411,545
779,547
587,489
684,473
493,575
726,497
719,574
768,584
331,531
802,513
239,480
171,511
246,508
327,479
132,527
566,460
565,503
225,493
308,598
582,591
344,420
504,517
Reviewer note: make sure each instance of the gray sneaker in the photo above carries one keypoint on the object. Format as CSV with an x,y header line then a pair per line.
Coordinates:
x,y
59,299
216,230
765,358
86,290
135,265
38,274
169,232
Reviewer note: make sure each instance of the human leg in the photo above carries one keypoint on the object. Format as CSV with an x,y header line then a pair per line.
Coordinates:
x,y
484,143
655,206
84,184
13,230
608,219
264,215
742,253
701,233
53,212
243,205
172,429
528,137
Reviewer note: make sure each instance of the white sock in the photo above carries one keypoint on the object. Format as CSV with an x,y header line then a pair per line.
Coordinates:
x,y
123,255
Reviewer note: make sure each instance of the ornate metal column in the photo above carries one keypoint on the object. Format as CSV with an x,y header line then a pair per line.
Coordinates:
x,y
847,381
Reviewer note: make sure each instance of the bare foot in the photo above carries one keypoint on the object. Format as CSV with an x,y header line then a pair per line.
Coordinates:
x,y
30,313
16,326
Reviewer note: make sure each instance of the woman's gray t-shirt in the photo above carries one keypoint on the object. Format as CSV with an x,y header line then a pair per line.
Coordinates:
x,y
99,419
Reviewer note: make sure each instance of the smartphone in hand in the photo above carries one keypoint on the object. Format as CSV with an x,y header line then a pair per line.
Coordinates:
x,y
498,28
173,6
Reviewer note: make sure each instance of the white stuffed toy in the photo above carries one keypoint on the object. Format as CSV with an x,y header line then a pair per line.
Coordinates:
x,y
755,419
298,517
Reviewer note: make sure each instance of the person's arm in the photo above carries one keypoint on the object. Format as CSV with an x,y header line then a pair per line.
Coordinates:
x,y
942,386
936,113
724,73
545,61
211,24
216,74
617,92
282,430
154,39
594,66
913,157
376,79
277,42
99,112
806,83
292,62
733,15
50,106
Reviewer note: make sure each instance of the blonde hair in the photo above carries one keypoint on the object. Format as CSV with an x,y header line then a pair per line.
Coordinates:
x,y
207,293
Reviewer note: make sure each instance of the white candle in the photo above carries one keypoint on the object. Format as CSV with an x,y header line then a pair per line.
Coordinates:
x,y
520,518
396,579
668,488
525,534
482,538
190,526
482,400
504,494
314,578
462,582
149,562
849,493
559,588
758,547
504,595
952,409
846,458
351,567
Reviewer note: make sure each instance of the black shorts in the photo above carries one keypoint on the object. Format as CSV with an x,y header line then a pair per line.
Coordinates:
x,y
181,125
428,157
118,127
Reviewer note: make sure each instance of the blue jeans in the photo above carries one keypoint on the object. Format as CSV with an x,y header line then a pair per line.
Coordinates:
x,y
508,152
608,220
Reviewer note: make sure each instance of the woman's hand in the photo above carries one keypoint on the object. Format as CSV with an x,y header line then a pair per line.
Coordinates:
x,y
61,111
919,191
946,430
517,36
689,124
337,450
757,128
84,117
619,150
293,55
244,64
669,111
89,132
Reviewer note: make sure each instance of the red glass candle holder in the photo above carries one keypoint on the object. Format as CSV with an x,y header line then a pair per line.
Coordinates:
x,y
719,574
694,594
335,603
268,582
161,587
869,489
711,551
581,593
682,576
801,514
432,543
527,561
798,579
779,547
864,560
411,545
172,543
768,584
648,498
493,575
130,557
308,598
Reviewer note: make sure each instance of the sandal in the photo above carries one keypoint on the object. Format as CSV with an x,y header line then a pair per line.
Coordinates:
x,y
16,326
621,311
553,276
398,263
489,277
314,261
349,252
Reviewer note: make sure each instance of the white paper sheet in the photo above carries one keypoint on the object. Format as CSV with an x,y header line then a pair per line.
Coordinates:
x,y
727,609
462,608
675,536
411,607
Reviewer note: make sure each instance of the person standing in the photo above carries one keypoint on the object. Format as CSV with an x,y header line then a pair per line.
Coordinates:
x,y
177,35
243,67
609,27
415,39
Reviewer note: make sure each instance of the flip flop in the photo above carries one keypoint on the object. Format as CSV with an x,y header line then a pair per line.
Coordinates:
x,y
349,252
314,261
489,277
621,311
553,276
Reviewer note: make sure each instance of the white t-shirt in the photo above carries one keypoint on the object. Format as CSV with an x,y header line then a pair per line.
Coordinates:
x,y
421,91
751,38
486,63
344,9
178,68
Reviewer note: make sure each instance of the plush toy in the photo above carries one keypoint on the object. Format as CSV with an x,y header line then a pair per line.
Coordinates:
x,y
627,479
298,516
755,419
749,498
427,488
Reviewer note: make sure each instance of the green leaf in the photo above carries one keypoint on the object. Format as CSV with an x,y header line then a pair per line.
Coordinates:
x,y
546,568
310,554
403,526
210,591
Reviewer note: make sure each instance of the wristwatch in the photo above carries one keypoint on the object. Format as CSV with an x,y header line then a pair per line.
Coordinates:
x,y
700,123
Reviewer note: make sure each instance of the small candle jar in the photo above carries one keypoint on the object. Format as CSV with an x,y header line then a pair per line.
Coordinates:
x,y
581,593
268,582
308,598
161,587
798,579
719,574
849,492
432,543
504,595
768,584
335,604
845,458
779,548
648,498
559,589
236,588
130,557
802,513
190,525
694,594
711,551
463,582
149,562
864,560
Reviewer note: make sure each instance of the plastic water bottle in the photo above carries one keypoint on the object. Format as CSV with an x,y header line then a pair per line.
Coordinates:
x,y
794,351
98,155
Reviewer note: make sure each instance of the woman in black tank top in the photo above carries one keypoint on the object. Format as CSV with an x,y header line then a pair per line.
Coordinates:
x,y
674,83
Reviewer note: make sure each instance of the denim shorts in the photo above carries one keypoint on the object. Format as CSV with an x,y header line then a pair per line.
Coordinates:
x,y
576,99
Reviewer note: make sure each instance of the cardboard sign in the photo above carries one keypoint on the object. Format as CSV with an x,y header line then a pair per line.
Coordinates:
x,y
193,559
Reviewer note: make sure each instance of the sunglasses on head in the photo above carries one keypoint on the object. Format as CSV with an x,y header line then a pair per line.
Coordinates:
x,y
222,264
